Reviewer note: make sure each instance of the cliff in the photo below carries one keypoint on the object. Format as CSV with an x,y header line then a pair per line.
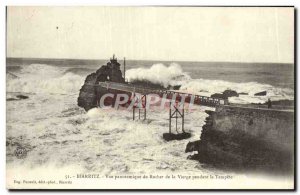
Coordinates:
x,y
89,93
244,138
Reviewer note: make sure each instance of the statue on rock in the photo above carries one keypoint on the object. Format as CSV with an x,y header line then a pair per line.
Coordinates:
x,y
90,93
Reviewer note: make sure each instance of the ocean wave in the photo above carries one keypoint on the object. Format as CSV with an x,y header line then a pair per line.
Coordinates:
x,y
11,68
40,78
10,76
80,71
173,75
42,70
249,89
157,74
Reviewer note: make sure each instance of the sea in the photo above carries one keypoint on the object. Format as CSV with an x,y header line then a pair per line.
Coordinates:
x,y
57,133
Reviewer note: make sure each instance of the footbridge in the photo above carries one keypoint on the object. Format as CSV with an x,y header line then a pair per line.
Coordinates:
x,y
169,94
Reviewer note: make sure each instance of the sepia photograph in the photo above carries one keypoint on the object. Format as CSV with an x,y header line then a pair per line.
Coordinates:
x,y
150,97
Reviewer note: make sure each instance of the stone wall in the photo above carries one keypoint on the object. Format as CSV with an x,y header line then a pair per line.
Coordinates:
x,y
247,139
276,126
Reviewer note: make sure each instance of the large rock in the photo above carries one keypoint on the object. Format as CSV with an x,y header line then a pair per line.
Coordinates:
x,y
90,93
229,148
179,136
22,96
218,96
263,93
230,93
225,95
17,97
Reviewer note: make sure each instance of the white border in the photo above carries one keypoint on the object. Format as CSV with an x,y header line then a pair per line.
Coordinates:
x,y
4,3
153,2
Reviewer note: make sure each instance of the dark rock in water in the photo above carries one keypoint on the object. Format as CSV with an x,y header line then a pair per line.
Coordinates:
x,y
243,93
89,94
230,93
22,96
218,95
176,87
203,91
179,136
263,93
193,146
226,94
18,97
11,99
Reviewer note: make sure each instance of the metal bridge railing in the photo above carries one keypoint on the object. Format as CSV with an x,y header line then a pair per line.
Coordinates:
x,y
198,99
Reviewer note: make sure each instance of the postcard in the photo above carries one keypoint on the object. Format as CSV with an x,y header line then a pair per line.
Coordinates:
x,y
153,97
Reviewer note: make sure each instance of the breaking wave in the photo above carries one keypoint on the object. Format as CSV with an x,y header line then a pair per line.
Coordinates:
x,y
80,71
157,73
247,90
41,78
41,70
173,75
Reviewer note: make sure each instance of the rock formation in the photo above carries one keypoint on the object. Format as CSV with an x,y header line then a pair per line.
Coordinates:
x,y
225,95
178,136
263,93
243,139
89,93
17,97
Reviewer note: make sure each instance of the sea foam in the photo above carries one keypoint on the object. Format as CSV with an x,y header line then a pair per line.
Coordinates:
x,y
174,75
40,78
157,73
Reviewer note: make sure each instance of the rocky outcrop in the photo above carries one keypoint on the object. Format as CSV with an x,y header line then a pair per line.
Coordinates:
x,y
242,139
218,95
22,96
225,95
178,136
176,87
263,93
17,97
89,93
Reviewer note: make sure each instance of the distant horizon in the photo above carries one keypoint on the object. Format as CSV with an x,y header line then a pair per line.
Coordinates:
x,y
121,59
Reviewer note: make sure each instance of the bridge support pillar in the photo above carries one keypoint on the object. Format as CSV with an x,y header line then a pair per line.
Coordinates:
x,y
177,114
140,103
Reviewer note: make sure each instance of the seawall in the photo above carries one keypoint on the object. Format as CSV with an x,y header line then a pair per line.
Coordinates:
x,y
238,137
275,126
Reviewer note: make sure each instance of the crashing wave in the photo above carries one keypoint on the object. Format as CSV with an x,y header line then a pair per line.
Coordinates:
x,y
157,74
173,75
39,78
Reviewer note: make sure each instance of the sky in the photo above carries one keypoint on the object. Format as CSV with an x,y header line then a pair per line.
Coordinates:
x,y
230,34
